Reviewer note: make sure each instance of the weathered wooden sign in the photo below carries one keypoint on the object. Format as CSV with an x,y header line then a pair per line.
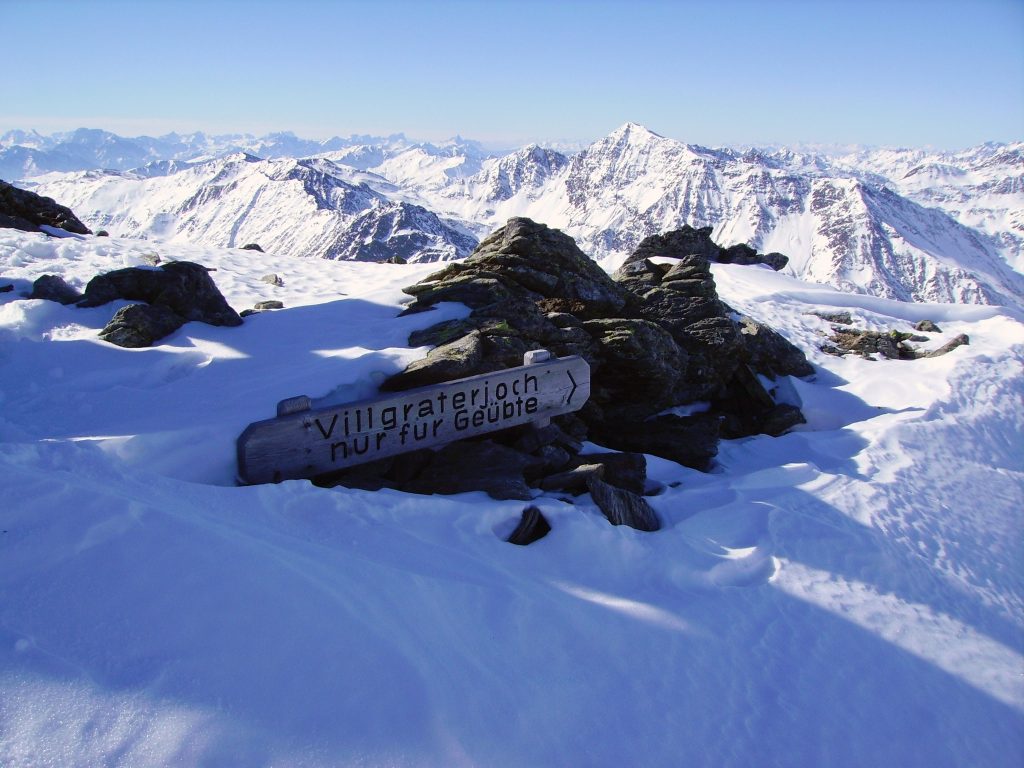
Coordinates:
x,y
303,442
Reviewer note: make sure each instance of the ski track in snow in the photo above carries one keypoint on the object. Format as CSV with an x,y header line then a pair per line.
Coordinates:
x,y
849,594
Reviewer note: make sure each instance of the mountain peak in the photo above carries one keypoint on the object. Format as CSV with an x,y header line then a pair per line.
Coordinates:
x,y
636,132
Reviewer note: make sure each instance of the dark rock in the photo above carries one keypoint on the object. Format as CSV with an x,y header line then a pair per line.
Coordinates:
x,y
553,458
273,279
770,353
252,247
272,304
54,288
441,333
532,527
406,466
102,233
891,345
949,346
524,257
839,318
454,360
139,325
697,242
775,260
623,507
686,241
6,288
689,440
27,211
927,326
481,465
181,286
623,470
364,477
248,312
396,260
782,419
573,481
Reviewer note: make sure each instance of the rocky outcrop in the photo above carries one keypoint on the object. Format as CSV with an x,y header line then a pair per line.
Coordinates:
x,y
889,345
181,286
672,368
174,294
54,288
140,325
690,241
27,211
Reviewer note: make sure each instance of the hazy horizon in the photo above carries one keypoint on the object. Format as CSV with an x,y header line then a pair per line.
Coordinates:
x,y
935,74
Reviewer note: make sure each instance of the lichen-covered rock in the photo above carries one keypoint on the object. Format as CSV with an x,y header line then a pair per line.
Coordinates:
x,y
27,211
140,325
453,360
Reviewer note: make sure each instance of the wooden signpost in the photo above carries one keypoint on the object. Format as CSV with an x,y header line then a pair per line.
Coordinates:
x,y
303,442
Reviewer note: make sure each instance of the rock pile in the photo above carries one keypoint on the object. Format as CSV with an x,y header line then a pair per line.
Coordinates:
x,y
672,368
889,345
27,211
174,294
657,337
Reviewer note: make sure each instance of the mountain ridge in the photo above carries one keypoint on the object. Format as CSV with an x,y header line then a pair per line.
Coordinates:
x,y
898,223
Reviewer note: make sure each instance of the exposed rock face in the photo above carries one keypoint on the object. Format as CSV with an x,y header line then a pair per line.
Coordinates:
x,y
20,209
656,337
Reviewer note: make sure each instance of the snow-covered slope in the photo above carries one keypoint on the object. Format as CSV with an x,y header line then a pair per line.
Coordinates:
x,y
982,188
848,232
292,207
849,594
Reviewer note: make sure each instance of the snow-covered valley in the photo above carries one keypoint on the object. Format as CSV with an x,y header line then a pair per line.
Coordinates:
x,y
848,594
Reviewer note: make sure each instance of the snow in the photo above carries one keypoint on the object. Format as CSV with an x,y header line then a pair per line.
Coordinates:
x,y
849,594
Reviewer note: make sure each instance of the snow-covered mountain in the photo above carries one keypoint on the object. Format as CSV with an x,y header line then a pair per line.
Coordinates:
x,y
24,154
308,207
903,224
982,187
843,229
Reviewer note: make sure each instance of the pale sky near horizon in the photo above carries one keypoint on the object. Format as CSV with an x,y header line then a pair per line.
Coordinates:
x,y
904,72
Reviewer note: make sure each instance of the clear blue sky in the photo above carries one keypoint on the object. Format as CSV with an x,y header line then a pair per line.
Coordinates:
x,y
944,74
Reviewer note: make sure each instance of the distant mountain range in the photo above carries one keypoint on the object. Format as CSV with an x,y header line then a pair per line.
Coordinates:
x,y
907,224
